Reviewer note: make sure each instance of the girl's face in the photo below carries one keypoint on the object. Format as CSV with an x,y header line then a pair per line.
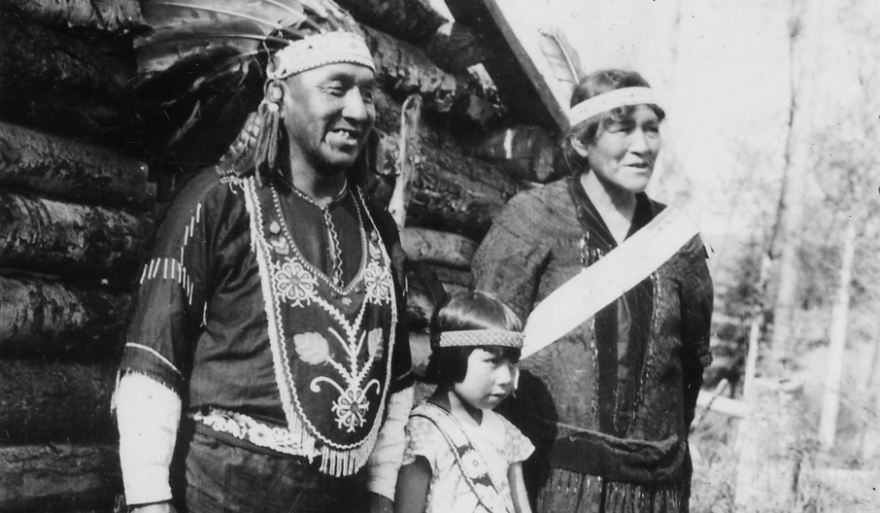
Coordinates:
x,y
488,381
624,153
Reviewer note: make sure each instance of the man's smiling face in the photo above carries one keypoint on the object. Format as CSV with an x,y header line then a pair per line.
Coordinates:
x,y
328,113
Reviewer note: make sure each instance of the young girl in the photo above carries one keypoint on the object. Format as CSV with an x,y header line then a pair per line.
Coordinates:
x,y
460,455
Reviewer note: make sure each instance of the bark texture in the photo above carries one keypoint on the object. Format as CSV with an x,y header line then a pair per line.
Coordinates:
x,y
46,401
65,168
109,15
456,47
58,477
39,316
450,192
434,247
35,53
403,69
409,20
527,152
67,239
83,115
67,84
454,278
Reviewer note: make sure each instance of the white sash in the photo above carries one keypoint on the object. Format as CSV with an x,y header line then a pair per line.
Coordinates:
x,y
597,286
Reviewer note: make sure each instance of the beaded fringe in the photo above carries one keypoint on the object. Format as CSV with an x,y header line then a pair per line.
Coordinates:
x,y
334,461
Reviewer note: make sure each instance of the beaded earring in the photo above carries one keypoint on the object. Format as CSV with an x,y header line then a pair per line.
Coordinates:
x,y
266,150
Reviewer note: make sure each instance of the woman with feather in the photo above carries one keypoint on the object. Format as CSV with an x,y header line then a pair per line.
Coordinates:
x,y
268,319
608,398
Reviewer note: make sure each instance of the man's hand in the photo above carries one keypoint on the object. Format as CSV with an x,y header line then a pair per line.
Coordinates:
x,y
380,504
158,507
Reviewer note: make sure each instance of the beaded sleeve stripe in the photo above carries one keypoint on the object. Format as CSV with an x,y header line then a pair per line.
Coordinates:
x,y
173,268
473,338
156,354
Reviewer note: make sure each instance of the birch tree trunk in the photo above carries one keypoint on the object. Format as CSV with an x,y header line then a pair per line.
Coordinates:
x,y
837,340
802,51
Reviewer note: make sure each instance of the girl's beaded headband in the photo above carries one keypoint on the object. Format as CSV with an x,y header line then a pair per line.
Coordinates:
x,y
475,338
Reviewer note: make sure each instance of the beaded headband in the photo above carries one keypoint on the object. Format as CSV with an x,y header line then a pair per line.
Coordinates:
x,y
319,50
610,100
476,338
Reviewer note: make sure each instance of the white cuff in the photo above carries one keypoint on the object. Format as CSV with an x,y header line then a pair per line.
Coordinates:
x,y
384,463
148,415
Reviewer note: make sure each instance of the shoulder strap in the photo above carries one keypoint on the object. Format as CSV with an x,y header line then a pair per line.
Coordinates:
x,y
470,460
597,286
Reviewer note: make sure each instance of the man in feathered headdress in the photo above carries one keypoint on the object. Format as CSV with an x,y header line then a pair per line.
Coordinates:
x,y
270,316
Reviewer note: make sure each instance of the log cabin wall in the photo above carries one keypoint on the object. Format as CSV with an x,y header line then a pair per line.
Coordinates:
x,y
79,204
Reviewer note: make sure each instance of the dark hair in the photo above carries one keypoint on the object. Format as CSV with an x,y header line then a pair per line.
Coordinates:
x,y
594,84
470,310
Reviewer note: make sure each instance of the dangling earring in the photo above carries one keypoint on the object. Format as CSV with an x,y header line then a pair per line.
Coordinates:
x,y
266,149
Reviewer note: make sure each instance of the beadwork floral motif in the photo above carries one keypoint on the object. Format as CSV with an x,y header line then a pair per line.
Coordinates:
x,y
351,409
377,281
352,405
294,283
312,348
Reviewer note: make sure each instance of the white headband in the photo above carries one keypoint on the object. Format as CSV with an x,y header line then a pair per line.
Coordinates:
x,y
476,338
319,50
610,100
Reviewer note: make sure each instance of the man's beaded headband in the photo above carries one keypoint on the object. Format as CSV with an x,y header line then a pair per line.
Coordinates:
x,y
610,100
319,50
475,338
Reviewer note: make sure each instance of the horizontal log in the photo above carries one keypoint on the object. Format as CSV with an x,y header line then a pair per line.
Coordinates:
x,y
58,477
723,405
29,52
451,192
409,20
403,69
456,47
68,169
420,304
436,247
86,116
109,15
527,152
453,277
444,199
40,316
46,401
64,238
426,291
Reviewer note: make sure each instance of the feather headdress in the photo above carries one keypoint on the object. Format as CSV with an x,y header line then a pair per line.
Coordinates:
x,y
202,67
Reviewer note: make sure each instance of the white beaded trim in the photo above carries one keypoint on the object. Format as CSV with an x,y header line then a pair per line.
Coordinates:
x,y
610,100
473,338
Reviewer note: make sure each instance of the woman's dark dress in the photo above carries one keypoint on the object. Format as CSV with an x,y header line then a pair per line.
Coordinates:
x,y
609,405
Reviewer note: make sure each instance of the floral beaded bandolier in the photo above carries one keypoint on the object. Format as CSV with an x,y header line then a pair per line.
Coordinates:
x,y
331,345
470,462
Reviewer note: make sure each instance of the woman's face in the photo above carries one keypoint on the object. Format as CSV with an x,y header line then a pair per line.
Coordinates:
x,y
624,152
